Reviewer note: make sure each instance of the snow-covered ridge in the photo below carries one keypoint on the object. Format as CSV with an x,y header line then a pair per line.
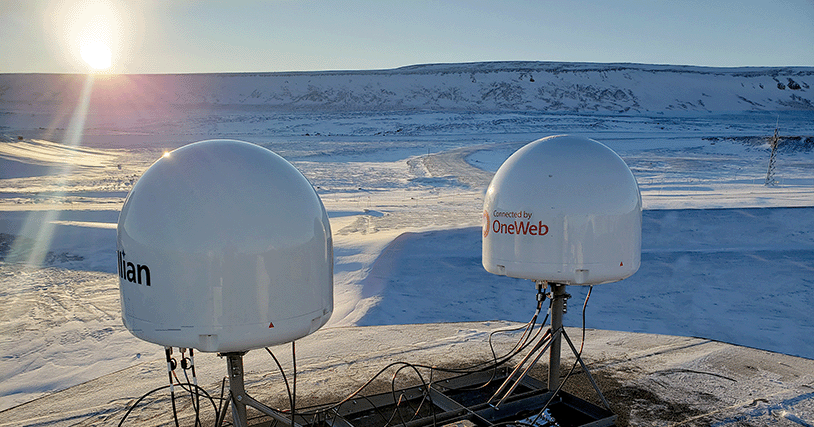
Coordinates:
x,y
585,88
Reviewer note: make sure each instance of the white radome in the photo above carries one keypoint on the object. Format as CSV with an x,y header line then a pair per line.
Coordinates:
x,y
224,246
563,209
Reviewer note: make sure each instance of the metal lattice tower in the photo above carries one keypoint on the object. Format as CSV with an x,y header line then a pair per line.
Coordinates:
x,y
770,173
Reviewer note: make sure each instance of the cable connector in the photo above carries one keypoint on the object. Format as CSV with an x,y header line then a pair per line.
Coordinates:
x,y
171,363
541,296
564,296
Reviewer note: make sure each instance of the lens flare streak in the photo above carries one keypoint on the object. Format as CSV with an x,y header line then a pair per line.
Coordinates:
x,y
43,227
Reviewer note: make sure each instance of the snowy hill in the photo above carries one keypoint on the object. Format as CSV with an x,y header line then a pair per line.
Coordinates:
x,y
401,159
495,86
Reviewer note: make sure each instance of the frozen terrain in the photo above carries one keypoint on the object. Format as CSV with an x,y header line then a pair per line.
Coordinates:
x,y
400,159
465,88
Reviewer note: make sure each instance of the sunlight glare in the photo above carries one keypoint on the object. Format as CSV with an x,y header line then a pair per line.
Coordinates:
x,y
44,227
93,32
96,54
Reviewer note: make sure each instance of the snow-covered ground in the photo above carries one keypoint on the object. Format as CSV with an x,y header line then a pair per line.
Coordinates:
x,y
724,257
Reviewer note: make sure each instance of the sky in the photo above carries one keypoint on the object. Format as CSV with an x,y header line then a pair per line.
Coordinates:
x,y
186,36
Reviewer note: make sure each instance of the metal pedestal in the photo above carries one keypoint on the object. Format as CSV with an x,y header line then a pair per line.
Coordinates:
x,y
552,340
240,400
557,310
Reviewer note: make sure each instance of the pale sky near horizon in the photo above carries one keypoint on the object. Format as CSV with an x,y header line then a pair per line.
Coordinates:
x,y
194,36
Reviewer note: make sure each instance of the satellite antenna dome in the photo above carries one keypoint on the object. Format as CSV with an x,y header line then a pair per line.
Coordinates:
x,y
563,209
224,246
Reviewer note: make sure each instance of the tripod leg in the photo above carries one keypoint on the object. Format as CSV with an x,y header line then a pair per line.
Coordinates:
x,y
585,368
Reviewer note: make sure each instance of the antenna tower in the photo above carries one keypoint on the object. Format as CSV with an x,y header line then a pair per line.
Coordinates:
x,y
770,173
539,216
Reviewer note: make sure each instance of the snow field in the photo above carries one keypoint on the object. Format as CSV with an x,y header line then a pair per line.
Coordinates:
x,y
404,214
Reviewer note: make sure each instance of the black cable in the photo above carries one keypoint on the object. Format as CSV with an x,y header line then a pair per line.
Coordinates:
x,y
584,305
285,379
375,409
194,388
126,414
401,397
170,369
523,343
526,339
195,381
395,412
194,396
145,395
355,393
335,407
174,408
294,381
504,359
426,393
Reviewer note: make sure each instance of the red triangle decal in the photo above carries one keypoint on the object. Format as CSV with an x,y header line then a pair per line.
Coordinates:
x,y
271,325
620,264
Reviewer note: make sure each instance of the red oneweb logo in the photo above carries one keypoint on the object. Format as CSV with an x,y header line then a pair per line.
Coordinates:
x,y
526,228
519,227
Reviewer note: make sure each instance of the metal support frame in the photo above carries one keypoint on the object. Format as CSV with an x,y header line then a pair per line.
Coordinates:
x,y
552,341
240,399
455,400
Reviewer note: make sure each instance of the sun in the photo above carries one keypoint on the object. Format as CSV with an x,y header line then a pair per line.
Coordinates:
x,y
95,27
96,54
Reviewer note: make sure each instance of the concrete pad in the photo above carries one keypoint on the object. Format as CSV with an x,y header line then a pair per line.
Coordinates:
x,y
648,379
